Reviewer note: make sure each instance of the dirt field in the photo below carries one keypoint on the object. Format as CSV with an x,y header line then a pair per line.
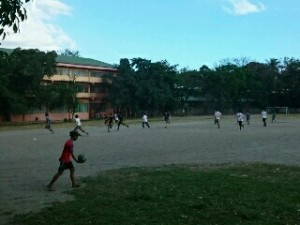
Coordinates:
x,y
29,158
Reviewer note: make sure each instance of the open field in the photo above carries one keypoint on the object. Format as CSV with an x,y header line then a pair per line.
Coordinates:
x,y
29,157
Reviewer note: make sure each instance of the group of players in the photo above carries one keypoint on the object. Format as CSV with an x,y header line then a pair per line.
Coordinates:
x,y
240,118
109,121
116,118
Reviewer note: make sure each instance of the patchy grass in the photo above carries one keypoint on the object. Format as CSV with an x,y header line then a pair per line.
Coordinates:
x,y
225,194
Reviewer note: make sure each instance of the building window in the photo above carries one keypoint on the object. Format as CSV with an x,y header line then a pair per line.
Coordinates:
x,y
62,71
83,88
98,89
97,74
83,107
79,72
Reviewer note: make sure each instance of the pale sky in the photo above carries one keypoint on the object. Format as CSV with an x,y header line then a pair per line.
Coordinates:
x,y
190,33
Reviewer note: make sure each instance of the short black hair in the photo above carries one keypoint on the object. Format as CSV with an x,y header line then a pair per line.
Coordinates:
x,y
74,133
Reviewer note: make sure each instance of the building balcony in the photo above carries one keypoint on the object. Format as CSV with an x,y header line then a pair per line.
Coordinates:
x,y
91,95
79,79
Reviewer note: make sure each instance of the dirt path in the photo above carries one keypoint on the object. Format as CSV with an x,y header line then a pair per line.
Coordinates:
x,y
30,158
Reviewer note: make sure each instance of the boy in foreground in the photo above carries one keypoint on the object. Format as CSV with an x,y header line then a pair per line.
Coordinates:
x,y
66,162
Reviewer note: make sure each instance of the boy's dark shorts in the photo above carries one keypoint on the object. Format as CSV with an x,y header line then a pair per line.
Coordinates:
x,y
64,166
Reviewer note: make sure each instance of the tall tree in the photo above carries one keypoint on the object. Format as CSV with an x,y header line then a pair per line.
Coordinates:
x,y
68,52
143,86
290,83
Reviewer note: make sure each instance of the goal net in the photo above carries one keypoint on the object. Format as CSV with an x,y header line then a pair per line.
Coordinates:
x,y
281,110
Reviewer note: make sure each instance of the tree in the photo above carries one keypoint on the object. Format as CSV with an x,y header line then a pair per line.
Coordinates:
x,y
5,95
22,73
289,92
12,13
67,97
145,86
68,52
189,84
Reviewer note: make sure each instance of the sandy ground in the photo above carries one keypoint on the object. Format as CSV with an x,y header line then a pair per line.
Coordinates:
x,y
29,158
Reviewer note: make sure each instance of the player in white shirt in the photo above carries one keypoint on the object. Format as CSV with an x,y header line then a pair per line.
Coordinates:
x,y
217,117
145,121
240,118
78,125
264,116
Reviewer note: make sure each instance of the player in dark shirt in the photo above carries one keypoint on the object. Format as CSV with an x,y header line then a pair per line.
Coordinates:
x,y
121,121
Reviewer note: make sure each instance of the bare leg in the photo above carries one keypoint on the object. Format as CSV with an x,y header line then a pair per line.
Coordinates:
x,y
83,130
54,179
72,177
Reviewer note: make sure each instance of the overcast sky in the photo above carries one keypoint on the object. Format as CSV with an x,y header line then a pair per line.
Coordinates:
x,y
190,33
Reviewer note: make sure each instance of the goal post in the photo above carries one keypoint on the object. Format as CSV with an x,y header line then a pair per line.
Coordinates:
x,y
278,109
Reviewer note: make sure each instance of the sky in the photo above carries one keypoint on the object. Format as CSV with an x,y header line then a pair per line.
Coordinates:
x,y
187,33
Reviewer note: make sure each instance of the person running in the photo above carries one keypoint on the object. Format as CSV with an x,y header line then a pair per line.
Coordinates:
x,y
105,120
240,119
166,119
66,162
121,121
109,122
116,118
145,120
264,116
248,116
217,117
274,116
48,123
78,125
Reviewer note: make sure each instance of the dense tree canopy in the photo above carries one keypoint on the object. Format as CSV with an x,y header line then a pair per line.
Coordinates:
x,y
142,85
153,87
21,75
68,52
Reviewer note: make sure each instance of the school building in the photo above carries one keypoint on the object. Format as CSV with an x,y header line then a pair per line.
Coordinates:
x,y
93,89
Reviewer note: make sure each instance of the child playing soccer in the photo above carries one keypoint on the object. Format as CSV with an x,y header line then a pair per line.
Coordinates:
x,y
78,125
48,123
65,161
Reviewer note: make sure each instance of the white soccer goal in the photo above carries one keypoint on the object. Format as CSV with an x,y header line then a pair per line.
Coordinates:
x,y
282,109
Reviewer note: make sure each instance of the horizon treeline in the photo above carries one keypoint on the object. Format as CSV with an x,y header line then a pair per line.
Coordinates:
x,y
145,86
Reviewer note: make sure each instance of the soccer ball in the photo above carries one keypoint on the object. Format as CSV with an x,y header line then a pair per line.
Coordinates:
x,y
81,158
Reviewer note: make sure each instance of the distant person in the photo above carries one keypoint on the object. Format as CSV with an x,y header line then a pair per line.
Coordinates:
x,y
105,117
109,122
274,116
166,118
116,118
66,162
240,118
78,125
48,123
248,116
121,121
264,116
145,120
217,117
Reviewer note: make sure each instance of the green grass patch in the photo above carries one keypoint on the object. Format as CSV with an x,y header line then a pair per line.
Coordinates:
x,y
244,194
